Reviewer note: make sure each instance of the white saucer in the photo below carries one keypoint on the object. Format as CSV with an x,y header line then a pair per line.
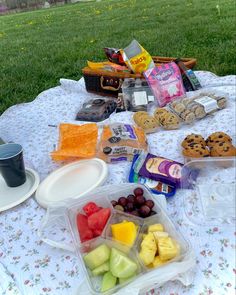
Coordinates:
x,y
71,181
13,196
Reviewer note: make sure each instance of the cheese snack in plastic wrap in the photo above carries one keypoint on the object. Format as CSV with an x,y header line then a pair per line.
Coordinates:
x,y
76,142
120,142
137,58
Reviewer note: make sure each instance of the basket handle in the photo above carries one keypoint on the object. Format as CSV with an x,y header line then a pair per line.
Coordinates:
x,y
110,87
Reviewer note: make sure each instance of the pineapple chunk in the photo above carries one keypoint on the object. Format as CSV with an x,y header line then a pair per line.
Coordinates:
x,y
155,227
148,249
157,262
167,248
159,234
147,256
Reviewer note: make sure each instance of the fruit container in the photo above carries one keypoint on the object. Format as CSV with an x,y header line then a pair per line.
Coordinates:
x,y
121,224
145,279
76,208
127,190
211,201
168,230
106,259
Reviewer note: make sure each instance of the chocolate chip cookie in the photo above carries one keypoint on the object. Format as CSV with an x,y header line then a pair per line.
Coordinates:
x,y
217,137
196,150
193,138
223,149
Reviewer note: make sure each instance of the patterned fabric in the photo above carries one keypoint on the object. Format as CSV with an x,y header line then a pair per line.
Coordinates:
x,y
30,267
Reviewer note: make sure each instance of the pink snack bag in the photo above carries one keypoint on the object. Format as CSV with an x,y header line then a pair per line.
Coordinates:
x,y
165,82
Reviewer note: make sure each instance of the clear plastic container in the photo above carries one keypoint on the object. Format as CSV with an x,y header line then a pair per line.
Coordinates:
x,y
198,104
94,282
136,94
145,278
211,201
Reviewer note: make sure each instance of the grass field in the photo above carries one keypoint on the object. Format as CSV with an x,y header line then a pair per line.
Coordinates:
x,y
37,48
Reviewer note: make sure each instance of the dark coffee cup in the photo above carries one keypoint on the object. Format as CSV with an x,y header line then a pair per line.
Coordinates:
x,y
12,165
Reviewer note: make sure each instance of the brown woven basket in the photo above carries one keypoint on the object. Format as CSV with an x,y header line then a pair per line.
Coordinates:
x,y
109,83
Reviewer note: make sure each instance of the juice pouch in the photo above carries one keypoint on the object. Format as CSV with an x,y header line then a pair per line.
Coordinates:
x,y
120,142
166,82
164,170
137,58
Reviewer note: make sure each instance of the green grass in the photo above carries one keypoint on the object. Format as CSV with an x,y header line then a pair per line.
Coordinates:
x,y
37,48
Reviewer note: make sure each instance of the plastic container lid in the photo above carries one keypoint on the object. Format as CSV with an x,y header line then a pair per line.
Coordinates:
x,y
71,181
211,200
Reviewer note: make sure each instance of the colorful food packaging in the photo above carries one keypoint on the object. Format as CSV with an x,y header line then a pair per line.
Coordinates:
x,y
190,80
120,142
137,58
107,66
76,142
165,82
157,187
114,55
164,170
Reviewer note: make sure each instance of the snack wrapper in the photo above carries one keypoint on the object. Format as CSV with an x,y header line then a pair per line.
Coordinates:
x,y
114,55
166,83
76,142
165,170
120,142
107,66
137,58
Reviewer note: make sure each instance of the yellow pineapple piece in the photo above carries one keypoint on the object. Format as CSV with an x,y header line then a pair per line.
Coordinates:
x,y
148,249
157,262
167,248
155,227
159,234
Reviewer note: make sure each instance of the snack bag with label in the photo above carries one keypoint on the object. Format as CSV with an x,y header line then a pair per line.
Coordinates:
x,y
166,83
137,58
120,142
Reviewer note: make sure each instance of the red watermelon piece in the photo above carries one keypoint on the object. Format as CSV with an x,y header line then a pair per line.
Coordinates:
x,y
98,220
85,232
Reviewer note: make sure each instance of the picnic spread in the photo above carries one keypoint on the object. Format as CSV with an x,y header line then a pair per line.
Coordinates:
x,y
131,192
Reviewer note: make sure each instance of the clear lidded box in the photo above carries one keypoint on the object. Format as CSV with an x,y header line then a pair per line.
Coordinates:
x,y
211,201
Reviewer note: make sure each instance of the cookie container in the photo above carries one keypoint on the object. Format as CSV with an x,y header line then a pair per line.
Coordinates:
x,y
146,279
136,94
211,201
198,104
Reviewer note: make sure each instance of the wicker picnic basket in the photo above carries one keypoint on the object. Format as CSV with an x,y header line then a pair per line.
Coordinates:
x,y
109,83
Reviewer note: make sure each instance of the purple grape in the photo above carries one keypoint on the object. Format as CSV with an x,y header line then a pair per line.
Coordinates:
x,y
139,200
122,201
138,191
114,203
152,213
131,198
119,208
149,203
130,207
135,213
144,211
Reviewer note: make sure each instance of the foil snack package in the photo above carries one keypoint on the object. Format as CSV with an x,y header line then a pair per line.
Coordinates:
x,y
165,170
137,58
114,55
166,83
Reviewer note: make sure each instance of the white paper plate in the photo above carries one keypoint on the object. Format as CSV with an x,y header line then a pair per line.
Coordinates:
x,y
13,196
71,181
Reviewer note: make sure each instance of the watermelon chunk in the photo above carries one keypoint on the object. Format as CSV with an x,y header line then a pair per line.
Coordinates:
x,y
90,208
98,220
85,232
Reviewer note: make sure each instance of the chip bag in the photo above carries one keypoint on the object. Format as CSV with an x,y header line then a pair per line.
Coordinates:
x,y
137,58
76,142
120,142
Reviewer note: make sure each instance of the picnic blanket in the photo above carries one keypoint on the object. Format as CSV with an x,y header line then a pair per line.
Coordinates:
x,y
30,267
